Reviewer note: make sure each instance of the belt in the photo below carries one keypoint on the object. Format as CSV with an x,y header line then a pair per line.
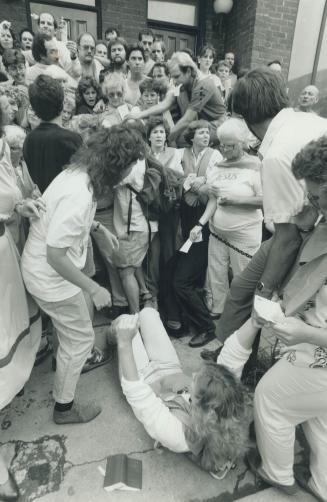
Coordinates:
x,y
2,228
102,209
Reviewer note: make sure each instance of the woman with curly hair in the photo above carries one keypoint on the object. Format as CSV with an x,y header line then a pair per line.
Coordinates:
x,y
55,254
87,95
207,418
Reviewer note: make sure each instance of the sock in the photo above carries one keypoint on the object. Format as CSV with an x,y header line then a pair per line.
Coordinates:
x,y
63,406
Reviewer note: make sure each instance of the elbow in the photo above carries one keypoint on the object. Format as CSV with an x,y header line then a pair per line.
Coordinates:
x,y
288,235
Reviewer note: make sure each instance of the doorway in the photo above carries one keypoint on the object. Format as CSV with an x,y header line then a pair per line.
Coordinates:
x,y
175,40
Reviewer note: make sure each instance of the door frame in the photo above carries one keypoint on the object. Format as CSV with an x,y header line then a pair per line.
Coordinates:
x,y
198,31
69,5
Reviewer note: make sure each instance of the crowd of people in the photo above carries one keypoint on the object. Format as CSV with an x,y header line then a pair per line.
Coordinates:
x,y
169,194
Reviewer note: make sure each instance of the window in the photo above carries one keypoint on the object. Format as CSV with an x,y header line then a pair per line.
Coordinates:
x,y
309,51
177,12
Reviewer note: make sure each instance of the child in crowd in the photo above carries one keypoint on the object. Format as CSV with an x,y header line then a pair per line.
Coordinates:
x,y
68,111
233,211
223,70
87,95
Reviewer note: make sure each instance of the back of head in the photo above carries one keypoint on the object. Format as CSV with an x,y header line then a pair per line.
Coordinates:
x,y
46,97
260,95
220,416
38,46
148,85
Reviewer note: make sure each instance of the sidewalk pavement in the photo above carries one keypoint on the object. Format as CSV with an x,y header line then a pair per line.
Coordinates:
x,y
54,463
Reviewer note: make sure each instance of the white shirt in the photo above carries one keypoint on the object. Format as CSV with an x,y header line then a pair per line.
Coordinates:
x,y
66,223
155,416
287,134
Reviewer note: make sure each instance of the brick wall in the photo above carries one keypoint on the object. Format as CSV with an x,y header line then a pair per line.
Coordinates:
x,y
239,26
128,15
14,11
274,31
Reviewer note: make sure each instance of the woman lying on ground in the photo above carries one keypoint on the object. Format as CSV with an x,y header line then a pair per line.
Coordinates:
x,y
207,418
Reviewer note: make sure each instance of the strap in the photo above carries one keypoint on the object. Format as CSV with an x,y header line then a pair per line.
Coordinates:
x,y
228,244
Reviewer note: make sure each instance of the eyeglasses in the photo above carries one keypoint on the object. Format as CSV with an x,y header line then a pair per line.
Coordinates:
x,y
227,147
88,48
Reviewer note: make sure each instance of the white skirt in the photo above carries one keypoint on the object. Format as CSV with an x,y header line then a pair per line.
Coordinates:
x,y
20,324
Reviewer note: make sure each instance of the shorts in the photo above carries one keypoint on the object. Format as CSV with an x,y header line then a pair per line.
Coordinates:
x,y
132,250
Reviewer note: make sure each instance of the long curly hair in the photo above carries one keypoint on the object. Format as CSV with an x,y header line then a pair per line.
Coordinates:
x,y
107,154
83,85
220,416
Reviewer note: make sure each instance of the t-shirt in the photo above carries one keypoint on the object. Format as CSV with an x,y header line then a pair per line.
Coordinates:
x,y
235,181
206,100
47,149
287,134
66,223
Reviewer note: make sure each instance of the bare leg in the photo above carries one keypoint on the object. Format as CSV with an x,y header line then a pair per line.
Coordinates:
x,y
131,288
141,281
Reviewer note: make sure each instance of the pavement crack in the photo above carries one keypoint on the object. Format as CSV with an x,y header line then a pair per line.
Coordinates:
x,y
99,460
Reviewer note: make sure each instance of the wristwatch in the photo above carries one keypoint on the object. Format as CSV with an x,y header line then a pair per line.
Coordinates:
x,y
263,290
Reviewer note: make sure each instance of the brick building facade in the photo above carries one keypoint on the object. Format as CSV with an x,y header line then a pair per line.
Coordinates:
x,y
256,30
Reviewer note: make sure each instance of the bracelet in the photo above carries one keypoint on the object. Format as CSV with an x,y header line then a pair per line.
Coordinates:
x,y
200,224
97,226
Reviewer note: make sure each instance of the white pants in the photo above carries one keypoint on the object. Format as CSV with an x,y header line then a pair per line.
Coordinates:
x,y
75,333
220,258
287,396
154,354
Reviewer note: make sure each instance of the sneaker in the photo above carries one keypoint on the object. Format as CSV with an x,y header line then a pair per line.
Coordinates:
x,y
96,359
176,332
78,414
114,311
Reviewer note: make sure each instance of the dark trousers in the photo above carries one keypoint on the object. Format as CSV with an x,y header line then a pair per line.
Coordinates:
x,y
238,305
185,281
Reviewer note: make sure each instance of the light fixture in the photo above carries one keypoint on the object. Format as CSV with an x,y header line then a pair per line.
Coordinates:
x,y
222,6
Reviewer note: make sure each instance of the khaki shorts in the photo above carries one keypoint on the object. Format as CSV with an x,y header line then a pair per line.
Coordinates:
x,y
132,250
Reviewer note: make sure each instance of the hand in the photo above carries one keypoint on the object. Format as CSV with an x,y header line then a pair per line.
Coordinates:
x,y
213,191
197,183
30,208
133,115
72,47
291,331
101,298
194,233
257,321
100,107
126,328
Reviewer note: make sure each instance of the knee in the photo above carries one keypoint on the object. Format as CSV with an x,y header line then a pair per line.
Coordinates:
x,y
126,272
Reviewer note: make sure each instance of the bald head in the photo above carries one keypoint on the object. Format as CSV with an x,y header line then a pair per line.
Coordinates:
x,y
308,98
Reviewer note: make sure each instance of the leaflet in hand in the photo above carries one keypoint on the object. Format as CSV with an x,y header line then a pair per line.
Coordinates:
x,y
268,310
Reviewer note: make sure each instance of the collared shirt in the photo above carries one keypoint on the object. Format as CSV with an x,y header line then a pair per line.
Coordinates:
x,y
283,195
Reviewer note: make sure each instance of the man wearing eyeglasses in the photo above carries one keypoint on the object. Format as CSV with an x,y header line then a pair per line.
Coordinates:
x,y
89,66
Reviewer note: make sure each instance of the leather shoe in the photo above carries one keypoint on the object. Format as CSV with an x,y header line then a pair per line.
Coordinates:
x,y
201,339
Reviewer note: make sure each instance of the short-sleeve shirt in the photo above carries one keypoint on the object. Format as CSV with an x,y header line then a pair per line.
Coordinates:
x,y
206,100
66,223
287,134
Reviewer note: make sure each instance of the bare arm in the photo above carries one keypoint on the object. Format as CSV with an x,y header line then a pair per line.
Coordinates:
x,y
254,202
57,258
282,254
182,124
158,109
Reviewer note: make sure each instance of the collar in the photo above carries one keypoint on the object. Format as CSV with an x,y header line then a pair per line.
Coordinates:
x,y
277,122
200,155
